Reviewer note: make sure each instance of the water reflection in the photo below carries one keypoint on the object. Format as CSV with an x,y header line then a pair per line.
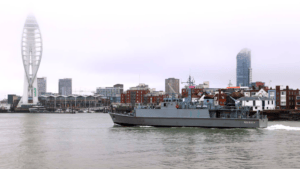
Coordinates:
x,y
192,145
31,144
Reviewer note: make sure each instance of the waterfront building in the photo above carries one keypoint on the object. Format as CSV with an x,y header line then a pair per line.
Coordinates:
x,y
258,103
65,86
109,91
135,94
112,93
50,94
243,68
70,101
155,97
272,94
263,92
286,98
172,85
42,85
31,50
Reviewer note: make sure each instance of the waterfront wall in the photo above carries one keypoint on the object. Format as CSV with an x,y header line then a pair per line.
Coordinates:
x,y
283,115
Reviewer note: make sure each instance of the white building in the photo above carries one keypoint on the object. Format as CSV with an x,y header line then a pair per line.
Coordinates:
x,y
205,85
260,93
258,103
109,91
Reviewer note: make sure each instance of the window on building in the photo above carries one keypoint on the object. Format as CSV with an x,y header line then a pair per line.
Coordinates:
x,y
268,102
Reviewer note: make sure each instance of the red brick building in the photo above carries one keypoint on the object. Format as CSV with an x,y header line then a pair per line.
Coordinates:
x,y
154,98
220,99
257,85
286,98
196,93
134,96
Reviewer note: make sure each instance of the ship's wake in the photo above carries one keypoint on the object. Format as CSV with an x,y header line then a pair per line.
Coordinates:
x,y
282,127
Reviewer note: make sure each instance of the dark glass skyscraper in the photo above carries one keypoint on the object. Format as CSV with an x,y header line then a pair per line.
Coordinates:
x,y
65,86
243,68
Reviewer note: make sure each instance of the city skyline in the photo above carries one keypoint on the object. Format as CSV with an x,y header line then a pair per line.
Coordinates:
x,y
98,47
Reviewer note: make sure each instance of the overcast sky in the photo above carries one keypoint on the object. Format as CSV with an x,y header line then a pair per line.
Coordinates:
x,y
101,43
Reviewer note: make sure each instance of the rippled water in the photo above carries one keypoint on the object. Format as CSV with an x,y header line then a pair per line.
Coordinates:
x,y
92,141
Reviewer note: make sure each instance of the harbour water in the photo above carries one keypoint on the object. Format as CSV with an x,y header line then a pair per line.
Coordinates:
x,y
93,141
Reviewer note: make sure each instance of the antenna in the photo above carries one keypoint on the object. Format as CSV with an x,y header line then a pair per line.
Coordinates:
x,y
190,82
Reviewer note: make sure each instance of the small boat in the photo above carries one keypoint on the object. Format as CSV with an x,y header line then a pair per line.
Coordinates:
x,y
38,109
58,111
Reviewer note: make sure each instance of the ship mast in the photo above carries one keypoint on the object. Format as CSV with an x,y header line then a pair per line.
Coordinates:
x,y
190,82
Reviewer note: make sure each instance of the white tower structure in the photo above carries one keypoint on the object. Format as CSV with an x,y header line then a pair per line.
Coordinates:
x,y
32,49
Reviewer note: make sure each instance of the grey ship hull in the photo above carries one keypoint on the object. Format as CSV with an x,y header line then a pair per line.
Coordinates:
x,y
126,120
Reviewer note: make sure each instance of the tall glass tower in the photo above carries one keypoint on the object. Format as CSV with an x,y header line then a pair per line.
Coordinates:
x,y
243,68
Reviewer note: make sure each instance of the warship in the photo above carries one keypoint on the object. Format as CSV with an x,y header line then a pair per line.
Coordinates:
x,y
178,112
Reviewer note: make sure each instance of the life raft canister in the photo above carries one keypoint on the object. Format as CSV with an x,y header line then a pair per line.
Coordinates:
x,y
177,106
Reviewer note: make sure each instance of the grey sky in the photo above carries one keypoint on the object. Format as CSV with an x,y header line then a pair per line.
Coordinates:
x,y
101,43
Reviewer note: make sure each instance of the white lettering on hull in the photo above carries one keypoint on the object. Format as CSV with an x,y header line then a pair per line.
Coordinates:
x,y
249,122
